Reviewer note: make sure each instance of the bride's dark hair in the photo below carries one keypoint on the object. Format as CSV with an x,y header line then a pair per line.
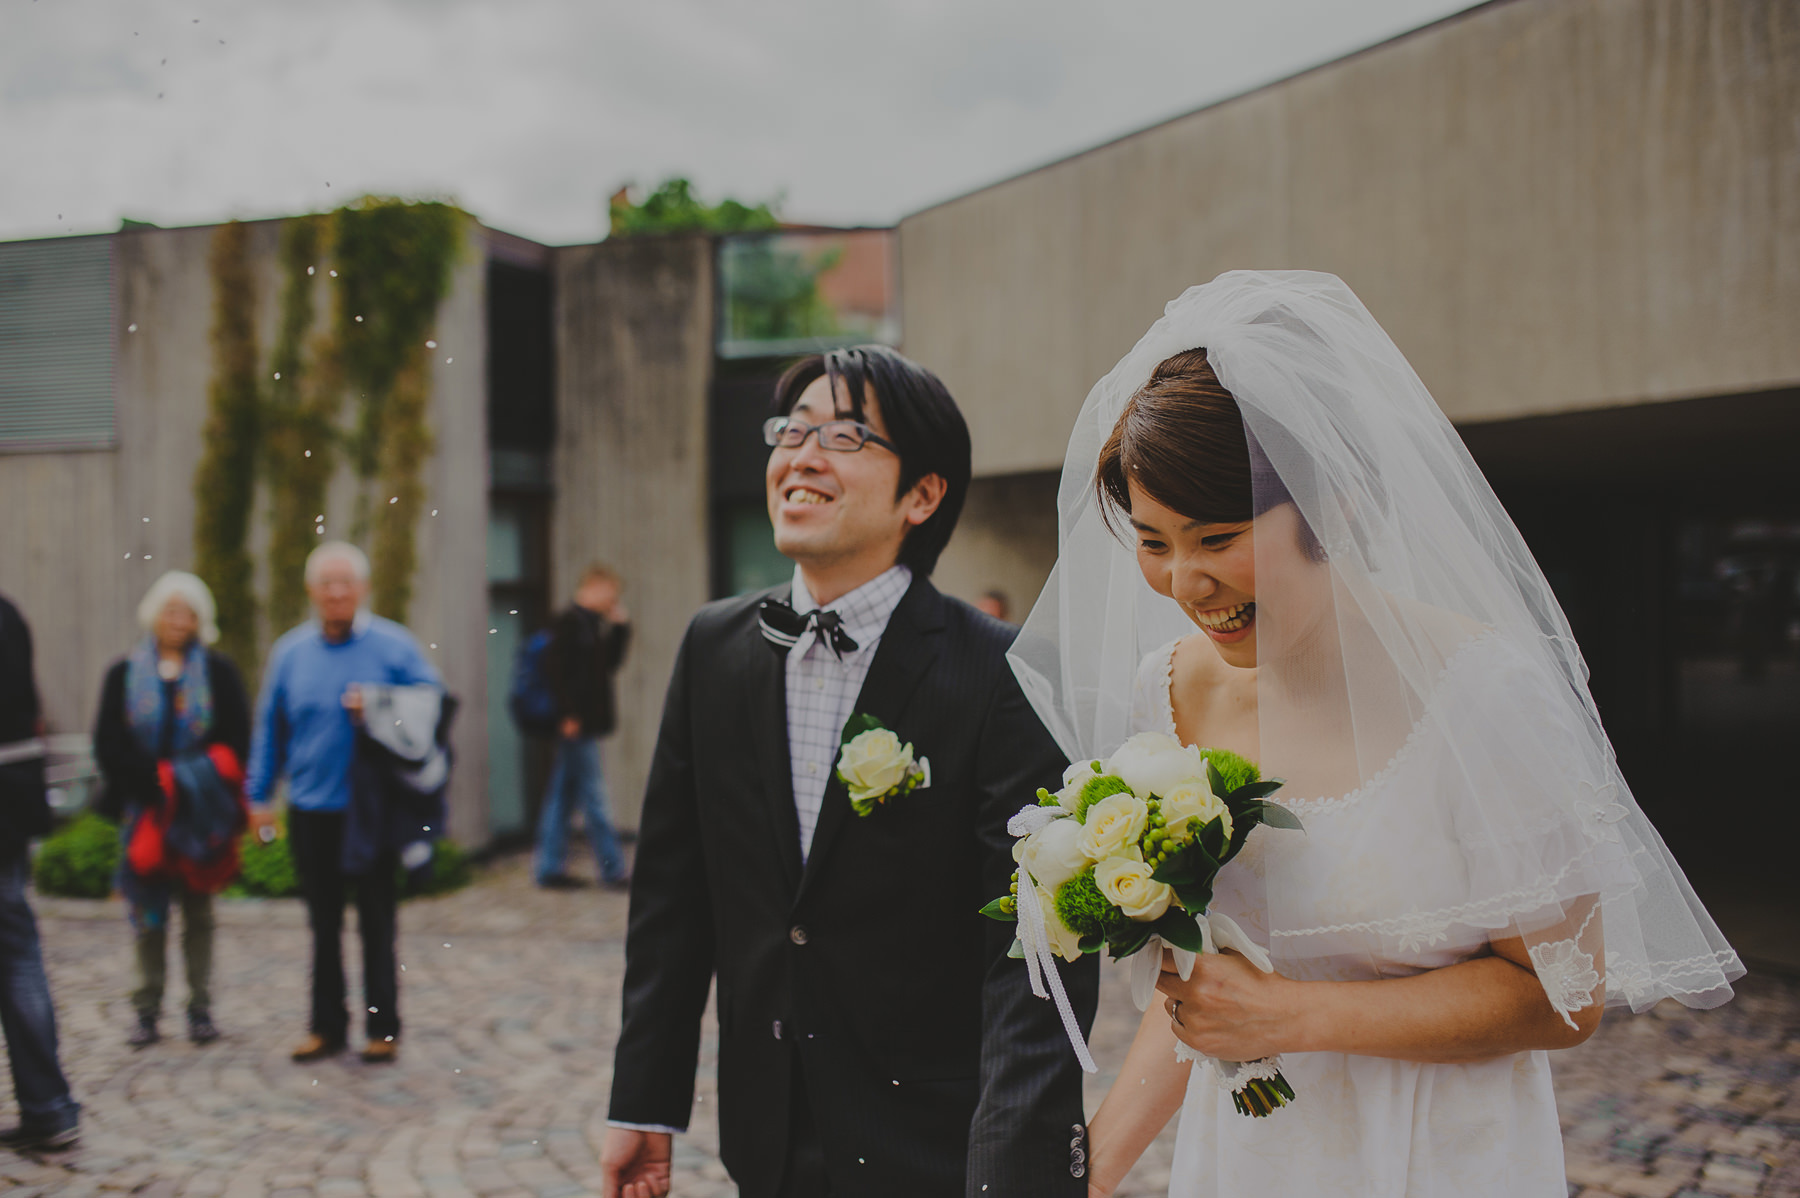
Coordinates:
x,y
1182,437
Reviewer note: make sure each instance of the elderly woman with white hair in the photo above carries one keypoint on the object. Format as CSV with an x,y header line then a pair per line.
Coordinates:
x,y
171,739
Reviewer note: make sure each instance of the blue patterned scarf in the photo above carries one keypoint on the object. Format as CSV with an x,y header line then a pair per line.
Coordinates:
x,y
144,698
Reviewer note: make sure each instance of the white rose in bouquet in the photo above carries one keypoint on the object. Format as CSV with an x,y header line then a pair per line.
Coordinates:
x,y
1192,800
874,762
1074,778
1114,826
1053,853
1063,943
1127,885
1154,763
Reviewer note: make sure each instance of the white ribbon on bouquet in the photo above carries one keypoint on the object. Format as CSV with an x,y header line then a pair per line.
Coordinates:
x,y
1218,932
1034,938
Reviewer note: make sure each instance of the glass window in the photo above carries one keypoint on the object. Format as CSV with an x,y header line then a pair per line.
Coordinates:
x,y
801,291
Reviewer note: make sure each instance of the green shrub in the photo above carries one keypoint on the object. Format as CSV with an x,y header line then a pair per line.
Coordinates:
x,y
450,869
266,870
80,859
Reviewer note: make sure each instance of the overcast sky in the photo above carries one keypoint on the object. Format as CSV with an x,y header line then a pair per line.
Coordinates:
x,y
530,112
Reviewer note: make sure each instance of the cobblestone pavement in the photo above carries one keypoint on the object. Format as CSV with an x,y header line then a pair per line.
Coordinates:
x,y
510,999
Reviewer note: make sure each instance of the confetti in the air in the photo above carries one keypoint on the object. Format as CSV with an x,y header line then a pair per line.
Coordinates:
x,y
431,345
131,328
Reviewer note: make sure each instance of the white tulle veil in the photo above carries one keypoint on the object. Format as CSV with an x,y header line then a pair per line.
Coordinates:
x,y
1427,630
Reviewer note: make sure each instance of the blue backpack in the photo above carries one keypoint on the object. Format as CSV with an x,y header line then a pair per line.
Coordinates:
x,y
530,699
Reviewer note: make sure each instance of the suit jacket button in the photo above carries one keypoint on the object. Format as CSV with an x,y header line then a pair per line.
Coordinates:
x,y
777,1029
797,934
1077,1130
1078,1170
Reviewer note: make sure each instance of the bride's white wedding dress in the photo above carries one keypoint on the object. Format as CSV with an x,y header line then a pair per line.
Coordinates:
x,y
1369,1125
1407,646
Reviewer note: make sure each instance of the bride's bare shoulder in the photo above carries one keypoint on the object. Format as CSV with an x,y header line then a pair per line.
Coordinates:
x,y
1445,630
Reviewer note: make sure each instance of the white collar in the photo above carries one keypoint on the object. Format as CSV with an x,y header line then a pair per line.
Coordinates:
x,y
865,611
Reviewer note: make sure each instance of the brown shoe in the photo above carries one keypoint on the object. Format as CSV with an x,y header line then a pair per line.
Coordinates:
x,y
381,1052
316,1046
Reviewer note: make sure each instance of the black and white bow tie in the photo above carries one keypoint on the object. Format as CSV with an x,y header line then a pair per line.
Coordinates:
x,y
782,627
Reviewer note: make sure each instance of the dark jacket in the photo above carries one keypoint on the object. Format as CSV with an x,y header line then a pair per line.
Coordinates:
x,y
398,787
24,806
129,771
930,1067
585,651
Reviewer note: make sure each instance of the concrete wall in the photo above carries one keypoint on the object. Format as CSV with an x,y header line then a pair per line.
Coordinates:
x,y
634,358
1551,205
71,518
1005,540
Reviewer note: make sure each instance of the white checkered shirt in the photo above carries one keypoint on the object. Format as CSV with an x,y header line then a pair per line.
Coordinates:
x,y
822,691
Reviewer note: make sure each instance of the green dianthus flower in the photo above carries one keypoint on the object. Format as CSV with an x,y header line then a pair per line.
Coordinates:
x,y
1234,770
1083,909
1096,789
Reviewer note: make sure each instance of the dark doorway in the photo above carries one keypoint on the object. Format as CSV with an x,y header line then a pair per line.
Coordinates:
x,y
1671,534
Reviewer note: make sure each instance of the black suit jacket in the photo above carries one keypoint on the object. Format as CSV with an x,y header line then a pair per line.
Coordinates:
x,y
930,1067
24,810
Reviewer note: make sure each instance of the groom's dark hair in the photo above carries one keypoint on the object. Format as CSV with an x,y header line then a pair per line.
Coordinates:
x,y
922,421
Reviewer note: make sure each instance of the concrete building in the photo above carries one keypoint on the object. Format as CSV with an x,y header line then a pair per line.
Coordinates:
x,y
1580,219
597,402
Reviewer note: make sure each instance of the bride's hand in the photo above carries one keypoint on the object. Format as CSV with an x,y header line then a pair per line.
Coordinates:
x,y
1230,1010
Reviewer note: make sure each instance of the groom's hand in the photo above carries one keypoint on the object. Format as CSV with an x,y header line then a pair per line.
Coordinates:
x,y
634,1164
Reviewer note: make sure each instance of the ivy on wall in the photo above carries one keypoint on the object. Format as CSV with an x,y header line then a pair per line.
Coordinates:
x,y
300,426
390,265
394,261
225,481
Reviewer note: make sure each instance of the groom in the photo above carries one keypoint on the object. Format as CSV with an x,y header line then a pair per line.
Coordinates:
x,y
874,1037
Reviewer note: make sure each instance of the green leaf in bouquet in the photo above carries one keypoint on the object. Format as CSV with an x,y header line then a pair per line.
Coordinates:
x,y
1177,870
858,724
1005,909
1213,840
1129,939
1194,897
1179,929
1215,779
1254,790
1277,816
1091,944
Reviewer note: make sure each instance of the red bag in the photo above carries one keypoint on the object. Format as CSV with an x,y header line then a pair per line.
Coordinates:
x,y
147,853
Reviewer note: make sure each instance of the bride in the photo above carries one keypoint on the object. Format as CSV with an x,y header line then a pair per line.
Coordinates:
x,y
1273,542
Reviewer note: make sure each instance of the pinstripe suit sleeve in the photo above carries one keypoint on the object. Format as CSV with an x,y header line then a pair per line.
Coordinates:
x,y
1030,1111
669,938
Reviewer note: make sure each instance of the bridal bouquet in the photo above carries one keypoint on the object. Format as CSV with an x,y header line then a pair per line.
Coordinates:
x,y
1124,856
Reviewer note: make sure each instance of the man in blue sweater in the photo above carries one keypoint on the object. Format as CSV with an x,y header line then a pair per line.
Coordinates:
x,y
305,730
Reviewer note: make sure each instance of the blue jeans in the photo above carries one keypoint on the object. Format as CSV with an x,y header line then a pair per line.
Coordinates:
x,y
25,1010
575,777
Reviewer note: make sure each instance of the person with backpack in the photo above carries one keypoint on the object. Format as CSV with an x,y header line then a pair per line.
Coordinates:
x,y
586,645
171,740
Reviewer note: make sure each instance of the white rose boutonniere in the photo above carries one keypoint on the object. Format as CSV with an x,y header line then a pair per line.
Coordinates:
x,y
875,766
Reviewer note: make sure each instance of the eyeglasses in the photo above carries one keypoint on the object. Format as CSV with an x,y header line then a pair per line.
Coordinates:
x,y
838,436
